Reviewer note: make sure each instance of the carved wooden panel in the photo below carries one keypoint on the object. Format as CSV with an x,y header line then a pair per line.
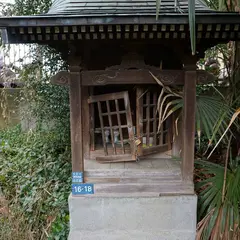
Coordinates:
x,y
131,76
140,76
61,78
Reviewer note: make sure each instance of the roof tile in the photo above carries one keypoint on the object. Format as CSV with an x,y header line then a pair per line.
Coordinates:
x,y
130,7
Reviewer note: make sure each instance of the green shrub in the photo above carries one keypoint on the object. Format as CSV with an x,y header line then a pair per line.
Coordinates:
x,y
35,175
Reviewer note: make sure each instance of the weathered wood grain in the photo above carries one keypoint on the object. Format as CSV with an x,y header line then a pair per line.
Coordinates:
x,y
61,78
139,115
99,152
140,76
86,122
155,146
155,149
119,125
105,97
147,118
102,128
116,159
147,167
99,99
189,124
92,121
130,126
111,127
76,121
132,76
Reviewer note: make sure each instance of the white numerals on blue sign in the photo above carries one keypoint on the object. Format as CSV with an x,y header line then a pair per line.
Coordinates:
x,y
85,188
77,177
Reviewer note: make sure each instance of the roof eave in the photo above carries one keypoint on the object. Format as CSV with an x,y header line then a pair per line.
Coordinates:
x,y
71,20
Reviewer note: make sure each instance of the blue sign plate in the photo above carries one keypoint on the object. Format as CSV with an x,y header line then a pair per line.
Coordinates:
x,y
81,189
77,177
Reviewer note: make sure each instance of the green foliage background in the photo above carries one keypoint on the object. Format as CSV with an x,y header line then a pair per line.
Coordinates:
x,y
35,169
35,177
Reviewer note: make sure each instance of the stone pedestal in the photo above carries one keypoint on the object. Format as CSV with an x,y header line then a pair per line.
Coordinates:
x,y
133,218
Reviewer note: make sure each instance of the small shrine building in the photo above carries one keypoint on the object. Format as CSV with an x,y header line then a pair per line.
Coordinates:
x,y
125,183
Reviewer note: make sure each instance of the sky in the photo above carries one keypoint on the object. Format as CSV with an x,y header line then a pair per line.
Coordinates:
x,y
7,1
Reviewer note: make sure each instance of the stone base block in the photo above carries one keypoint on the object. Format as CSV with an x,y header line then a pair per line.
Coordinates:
x,y
133,218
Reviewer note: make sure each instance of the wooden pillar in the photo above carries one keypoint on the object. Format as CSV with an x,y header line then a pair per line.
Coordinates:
x,y
189,122
76,119
86,123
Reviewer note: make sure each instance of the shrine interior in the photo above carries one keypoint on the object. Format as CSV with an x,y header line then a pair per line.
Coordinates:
x,y
150,116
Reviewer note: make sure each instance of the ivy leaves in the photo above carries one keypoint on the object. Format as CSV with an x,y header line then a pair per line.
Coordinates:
x,y
31,7
35,174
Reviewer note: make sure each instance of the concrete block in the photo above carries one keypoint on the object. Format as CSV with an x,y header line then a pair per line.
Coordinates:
x,y
140,218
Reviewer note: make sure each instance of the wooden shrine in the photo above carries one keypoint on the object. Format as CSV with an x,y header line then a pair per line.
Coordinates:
x,y
134,127
113,50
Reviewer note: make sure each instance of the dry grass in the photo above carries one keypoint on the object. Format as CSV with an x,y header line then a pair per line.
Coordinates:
x,y
12,224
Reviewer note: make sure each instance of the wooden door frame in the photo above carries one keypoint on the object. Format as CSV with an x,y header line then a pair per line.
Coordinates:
x,y
110,97
139,125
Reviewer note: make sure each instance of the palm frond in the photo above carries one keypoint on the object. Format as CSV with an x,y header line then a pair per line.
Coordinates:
x,y
161,109
212,113
178,104
235,115
192,24
158,4
192,21
218,209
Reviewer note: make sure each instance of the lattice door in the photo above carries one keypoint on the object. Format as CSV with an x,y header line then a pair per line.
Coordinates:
x,y
152,140
116,127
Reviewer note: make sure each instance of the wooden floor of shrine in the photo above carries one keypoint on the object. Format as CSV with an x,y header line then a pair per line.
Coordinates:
x,y
150,176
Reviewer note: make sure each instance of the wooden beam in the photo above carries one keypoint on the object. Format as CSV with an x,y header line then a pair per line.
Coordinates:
x,y
105,77
139,76
105,97
116,158
76,120
92,122
189,124
61,78
155,149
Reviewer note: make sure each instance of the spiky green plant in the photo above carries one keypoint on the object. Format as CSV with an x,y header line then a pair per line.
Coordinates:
x,y
219,200
191,19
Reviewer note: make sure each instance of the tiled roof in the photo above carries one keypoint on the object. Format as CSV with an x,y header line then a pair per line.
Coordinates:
x,y
121,7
